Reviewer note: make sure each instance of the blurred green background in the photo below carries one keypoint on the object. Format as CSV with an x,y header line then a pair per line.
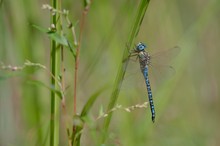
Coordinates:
x,y
187,105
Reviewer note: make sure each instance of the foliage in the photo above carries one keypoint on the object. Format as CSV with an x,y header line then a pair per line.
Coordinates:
x,y
90,43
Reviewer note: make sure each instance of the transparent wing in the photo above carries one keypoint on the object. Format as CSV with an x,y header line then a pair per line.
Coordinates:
x,y
159,73
160,64
133,76
164,57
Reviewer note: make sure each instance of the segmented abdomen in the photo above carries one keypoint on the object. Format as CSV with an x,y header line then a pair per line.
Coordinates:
x,y
150,97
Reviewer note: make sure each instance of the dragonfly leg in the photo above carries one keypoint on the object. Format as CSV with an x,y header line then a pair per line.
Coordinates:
x,y
132,53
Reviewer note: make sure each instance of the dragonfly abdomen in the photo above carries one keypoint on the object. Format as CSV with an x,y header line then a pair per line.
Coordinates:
x,y
150,97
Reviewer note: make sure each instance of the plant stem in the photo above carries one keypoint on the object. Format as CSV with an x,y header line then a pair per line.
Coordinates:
x,y
85,11
54,120
74,128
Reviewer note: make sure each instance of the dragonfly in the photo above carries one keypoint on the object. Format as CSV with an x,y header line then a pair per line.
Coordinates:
x,y
145,62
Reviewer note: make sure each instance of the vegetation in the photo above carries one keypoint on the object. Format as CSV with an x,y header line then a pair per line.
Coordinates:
x,y
64,65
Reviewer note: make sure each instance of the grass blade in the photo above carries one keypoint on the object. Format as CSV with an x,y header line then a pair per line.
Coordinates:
x,y
78,120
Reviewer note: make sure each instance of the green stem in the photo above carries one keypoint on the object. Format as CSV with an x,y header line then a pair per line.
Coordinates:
x,y
123,65
54,121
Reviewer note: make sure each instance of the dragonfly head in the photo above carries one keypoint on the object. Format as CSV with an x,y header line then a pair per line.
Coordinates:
x,y
140,46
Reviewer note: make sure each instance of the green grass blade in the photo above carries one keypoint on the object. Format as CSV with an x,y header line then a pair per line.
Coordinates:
x,y
91,101
87,107
51,88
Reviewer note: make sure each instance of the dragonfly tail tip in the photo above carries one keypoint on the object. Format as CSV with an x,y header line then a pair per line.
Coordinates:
x,y
153,119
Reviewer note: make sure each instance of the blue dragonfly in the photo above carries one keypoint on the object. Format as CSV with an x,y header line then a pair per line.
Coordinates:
x,y
145,62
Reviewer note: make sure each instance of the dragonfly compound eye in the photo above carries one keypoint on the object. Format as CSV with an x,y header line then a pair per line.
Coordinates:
x,y
141,46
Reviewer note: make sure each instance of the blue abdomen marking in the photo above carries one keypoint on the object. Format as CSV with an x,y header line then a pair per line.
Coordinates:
x,y
150,97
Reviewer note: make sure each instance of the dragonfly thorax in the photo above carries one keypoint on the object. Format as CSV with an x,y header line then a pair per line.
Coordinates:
x,y
144,58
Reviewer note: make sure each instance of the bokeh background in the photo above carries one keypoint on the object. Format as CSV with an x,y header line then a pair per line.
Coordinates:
x,y
187,104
